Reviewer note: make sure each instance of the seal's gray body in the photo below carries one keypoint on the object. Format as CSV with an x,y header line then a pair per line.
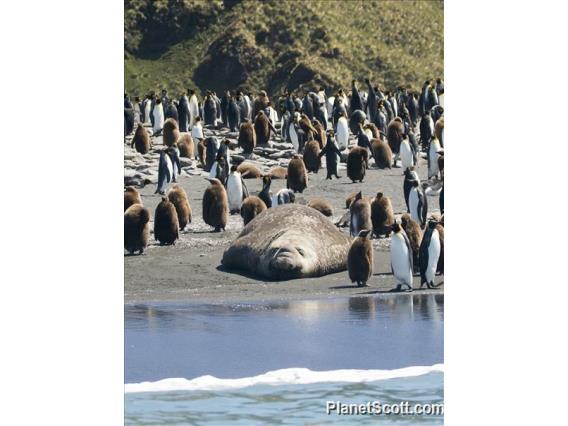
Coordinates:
x,y
289,241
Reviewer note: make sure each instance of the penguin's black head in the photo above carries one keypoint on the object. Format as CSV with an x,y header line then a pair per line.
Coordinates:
x,y
363,233
415,184
233,168
379,195
432,224
266,180
396,227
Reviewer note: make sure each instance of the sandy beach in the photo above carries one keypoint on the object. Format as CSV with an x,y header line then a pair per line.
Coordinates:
x,y
191,270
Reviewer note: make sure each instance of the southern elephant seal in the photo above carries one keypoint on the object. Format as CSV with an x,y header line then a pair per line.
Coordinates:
x,y
289,241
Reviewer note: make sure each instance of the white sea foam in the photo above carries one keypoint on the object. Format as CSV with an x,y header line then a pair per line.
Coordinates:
x,y
287,376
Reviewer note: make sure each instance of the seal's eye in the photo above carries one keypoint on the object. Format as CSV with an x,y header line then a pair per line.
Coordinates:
x,y
301,251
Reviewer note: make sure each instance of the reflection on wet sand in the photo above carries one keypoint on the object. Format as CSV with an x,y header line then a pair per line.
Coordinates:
x,y
238,340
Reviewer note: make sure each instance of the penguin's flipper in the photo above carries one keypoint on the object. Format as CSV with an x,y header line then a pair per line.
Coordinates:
x,y
423,255
245,189
424,206
175,160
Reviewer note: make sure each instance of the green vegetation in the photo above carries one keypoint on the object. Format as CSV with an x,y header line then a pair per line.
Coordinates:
x,y
274,45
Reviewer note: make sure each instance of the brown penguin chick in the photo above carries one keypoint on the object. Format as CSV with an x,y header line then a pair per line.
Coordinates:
x,y
440,228
251,207
247,137
179,199
131,196
201,151
262,128
441,163
320,134
311,156
382,154
357,163
438,129
278,172
249,171
170,132
136,228
215,205
141,140
360,210
261,103
185,145
166,224
297,177
414,233
306,125
382,215
395,131
374,130
322,206
360,259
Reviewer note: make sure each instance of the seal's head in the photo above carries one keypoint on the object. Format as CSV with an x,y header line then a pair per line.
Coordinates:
x,y
289,255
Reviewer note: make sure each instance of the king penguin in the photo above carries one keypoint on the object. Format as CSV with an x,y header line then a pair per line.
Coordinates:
x,y
236,190
430,250
401,257
406,154
169,166
410,175
418,204
433,152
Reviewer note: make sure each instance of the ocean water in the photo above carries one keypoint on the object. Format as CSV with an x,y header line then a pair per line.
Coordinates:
x,y
279,363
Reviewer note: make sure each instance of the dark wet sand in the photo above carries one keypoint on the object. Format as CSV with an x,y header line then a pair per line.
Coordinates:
x,y
191,270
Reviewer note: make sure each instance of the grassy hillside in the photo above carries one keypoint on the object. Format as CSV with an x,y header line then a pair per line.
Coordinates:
x,y
275,45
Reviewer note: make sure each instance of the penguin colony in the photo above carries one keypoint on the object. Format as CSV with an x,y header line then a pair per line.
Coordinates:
x,y
392,130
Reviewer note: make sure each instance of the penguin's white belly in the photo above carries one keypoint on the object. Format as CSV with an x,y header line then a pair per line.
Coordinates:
x,y
433,168
406,155
413,205
273,115
400,260
234,192
434,250
213,171
193,110
342,136
147,110
293,137
170,167
197,132
158,118
329,105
